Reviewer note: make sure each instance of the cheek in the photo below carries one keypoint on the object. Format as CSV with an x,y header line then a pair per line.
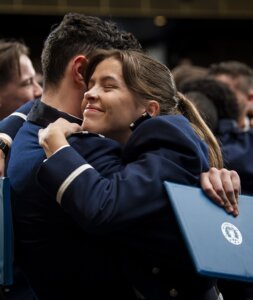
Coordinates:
x,y
21,99
25,95
83,104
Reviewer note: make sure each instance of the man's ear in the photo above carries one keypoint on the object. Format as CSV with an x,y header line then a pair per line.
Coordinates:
x,y
153,108
78,68
250,96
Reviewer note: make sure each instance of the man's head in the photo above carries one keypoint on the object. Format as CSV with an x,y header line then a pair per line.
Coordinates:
x,y
17,77
221,96
239,77
183,73
80,34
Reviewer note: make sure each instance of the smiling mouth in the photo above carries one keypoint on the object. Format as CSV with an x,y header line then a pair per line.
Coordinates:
x,y
92,110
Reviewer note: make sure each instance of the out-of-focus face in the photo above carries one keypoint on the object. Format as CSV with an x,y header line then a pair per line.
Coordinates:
x,y
233,84
244,98
19,90
109,107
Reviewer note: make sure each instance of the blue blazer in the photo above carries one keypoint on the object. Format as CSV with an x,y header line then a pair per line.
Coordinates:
x,y
61,260
130,205
237,150
116,219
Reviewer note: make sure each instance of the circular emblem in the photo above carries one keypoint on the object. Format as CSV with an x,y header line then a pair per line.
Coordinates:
x,y
231,233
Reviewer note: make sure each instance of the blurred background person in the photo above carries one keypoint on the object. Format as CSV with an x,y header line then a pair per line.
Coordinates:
x,y
223,106
206,108
239,77
17,77
17,86
186,72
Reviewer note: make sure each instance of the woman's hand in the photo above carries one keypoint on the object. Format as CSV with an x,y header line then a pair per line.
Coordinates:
x,y
223,187
53,137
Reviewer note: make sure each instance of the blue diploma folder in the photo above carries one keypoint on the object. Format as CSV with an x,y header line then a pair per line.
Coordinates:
x,y
220,245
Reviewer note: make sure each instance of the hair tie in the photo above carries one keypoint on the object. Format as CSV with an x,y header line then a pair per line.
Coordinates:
x,y
175,98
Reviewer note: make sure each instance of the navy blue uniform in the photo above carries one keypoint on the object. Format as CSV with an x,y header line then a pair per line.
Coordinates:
x,y
131,205
20,289
144,233
11,124
237,150
60,259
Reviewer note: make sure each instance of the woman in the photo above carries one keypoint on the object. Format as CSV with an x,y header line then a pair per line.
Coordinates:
x,y
165,143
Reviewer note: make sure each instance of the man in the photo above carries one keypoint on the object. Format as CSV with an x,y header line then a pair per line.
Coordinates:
x,y
17,81
239,77
236,139
236,136
220,95
62,261
18,85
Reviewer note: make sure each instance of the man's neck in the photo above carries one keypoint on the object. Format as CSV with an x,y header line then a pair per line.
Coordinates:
x,y
67,102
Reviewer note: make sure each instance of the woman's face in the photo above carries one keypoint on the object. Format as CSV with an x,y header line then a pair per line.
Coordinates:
x,y
109,107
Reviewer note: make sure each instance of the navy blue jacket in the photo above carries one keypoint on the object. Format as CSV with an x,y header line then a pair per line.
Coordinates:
x,y
131,205
237,150
11,124
130,219
61,260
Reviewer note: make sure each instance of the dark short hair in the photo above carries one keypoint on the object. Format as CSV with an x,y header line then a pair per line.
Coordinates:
x,y
220,94
235,70
206,108
232,68
80,34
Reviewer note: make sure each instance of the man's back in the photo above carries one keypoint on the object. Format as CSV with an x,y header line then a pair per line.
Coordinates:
x,y
61,260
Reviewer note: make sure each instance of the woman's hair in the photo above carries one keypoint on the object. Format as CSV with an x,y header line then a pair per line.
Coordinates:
x,y
152,80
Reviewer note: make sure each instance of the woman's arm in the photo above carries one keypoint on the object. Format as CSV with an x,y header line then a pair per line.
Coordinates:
x,y
99,203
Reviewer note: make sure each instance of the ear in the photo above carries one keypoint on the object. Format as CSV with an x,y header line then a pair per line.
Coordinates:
x,y
78,68
250,96
153,108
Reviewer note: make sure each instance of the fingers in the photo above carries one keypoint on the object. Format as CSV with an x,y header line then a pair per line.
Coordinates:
x,y
228,187
223,187
231,186
236,183
2,163
41,134
62,126
212,186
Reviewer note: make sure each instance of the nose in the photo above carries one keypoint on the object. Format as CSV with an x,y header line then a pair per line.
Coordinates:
x,y
91,95
37,89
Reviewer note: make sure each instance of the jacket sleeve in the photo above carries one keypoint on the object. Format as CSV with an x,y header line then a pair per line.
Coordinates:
x,y
103,204
11,124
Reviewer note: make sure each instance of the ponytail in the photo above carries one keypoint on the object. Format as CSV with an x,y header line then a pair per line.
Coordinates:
x,y
187,109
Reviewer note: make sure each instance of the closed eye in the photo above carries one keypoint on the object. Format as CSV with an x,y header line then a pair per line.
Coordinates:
x,y
108,87
27,82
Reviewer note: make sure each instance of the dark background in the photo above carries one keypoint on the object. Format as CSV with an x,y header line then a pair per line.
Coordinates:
x,y
203,41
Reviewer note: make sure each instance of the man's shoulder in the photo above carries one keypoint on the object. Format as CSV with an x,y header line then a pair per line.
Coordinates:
x,y
43,114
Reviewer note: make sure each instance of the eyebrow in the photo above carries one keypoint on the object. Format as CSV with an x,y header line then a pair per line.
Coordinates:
x,y
23,82
108,77
104,79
